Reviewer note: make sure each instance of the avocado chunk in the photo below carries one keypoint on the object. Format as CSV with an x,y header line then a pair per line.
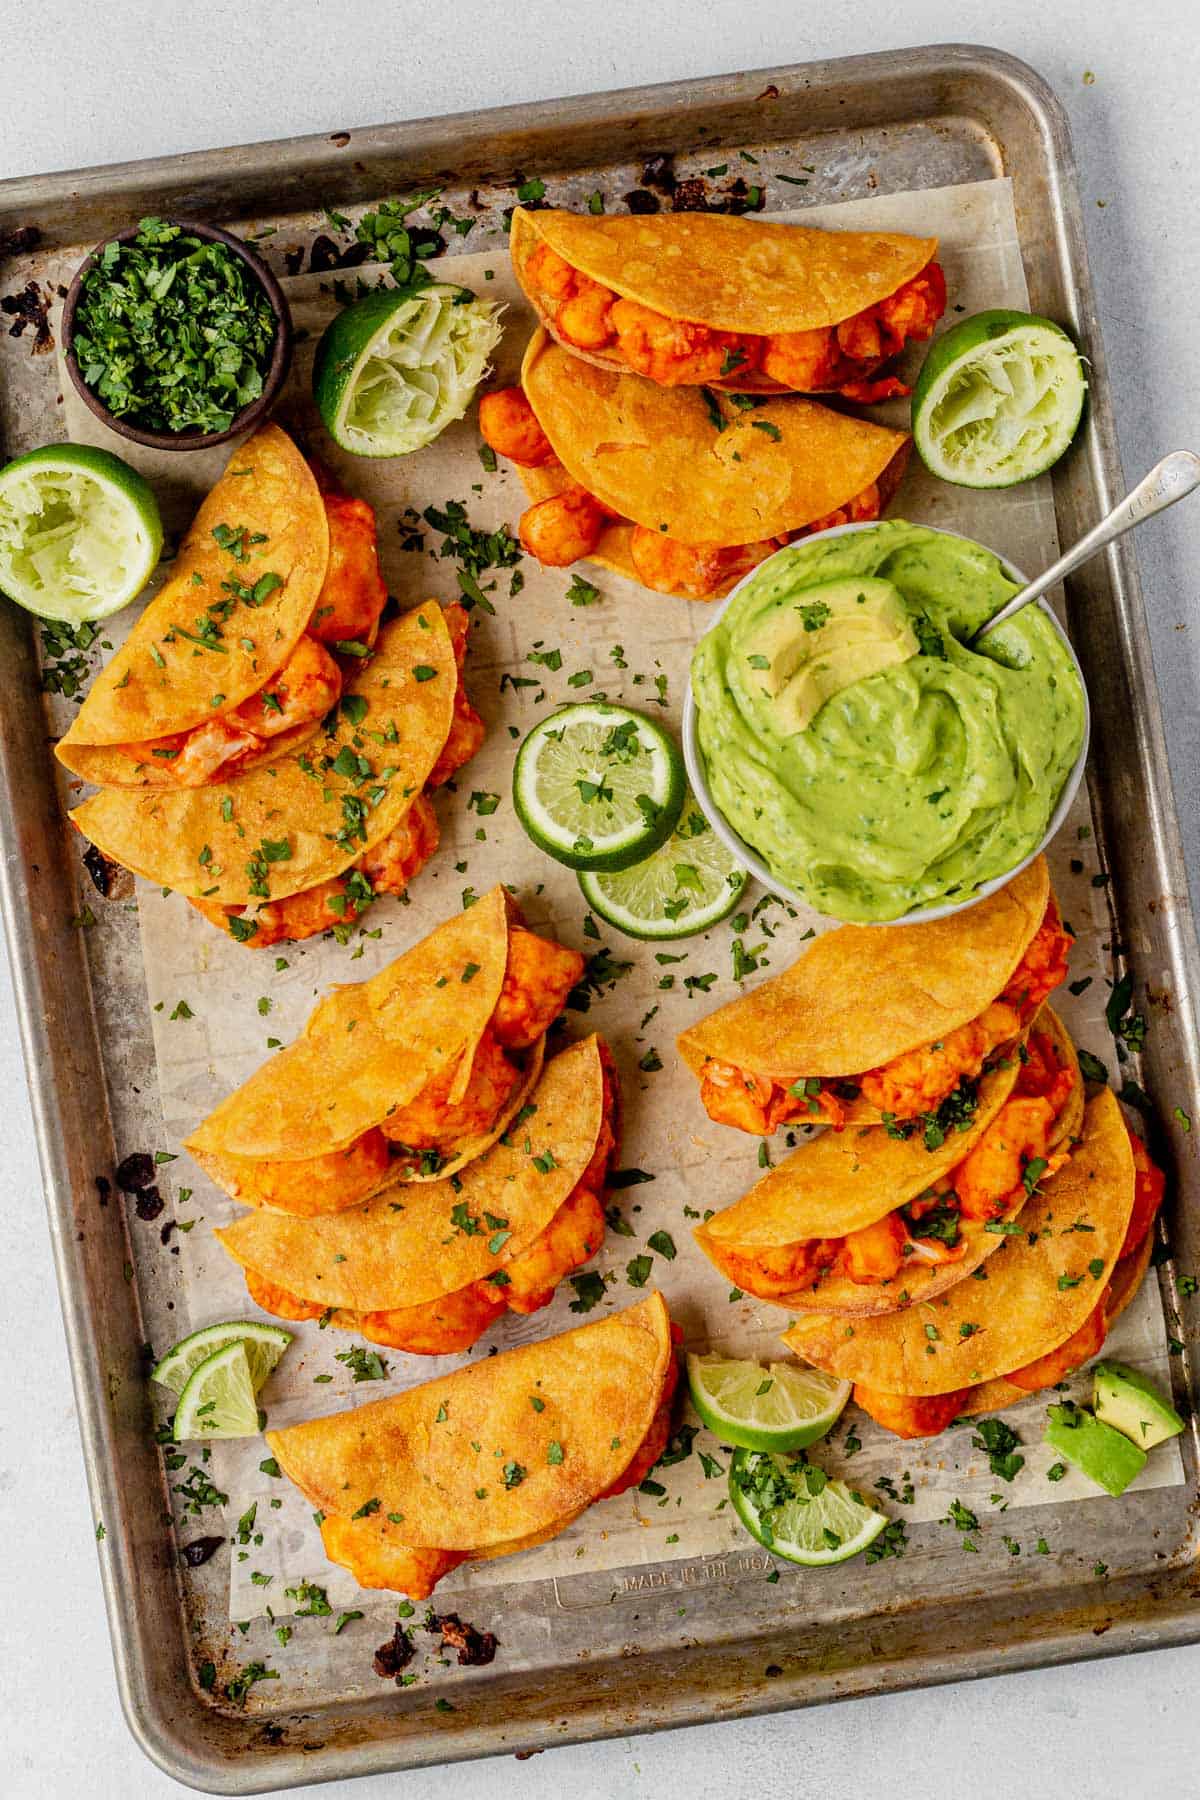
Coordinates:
x,y
820,640
1105,1456
1126,1400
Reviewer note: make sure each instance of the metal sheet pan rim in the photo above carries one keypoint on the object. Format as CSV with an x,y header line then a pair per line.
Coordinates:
x,y
159,1720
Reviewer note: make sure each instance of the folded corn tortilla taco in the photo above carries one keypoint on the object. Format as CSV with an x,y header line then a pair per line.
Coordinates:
x,y
672,464
883,1022
467,1466
304,843
868,1220
405,1077
274,590
1050,1291
712,298
428,1268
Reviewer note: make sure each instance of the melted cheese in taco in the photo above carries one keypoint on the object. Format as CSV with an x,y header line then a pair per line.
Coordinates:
x,y
467,1466
407,1076
428,1269
305,843
679,489
883,1023
743,304
876,1218
274,593
1052,1291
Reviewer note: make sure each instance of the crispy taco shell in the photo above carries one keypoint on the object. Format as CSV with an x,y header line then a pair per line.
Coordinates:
x,y
861,995
415,1452
198,840
161,681
1019,1311
369,1047
730,273
844,1181
374,1551
652,455
403,1248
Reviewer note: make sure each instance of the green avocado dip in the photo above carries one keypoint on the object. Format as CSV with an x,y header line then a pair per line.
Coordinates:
x,y
874,762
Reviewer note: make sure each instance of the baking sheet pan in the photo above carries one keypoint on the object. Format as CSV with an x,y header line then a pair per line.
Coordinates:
x,y
667,1638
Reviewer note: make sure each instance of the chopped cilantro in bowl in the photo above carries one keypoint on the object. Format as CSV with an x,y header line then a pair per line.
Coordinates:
x,y
176,334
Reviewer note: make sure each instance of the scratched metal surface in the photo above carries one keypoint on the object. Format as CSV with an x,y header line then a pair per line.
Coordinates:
x,y
685,1641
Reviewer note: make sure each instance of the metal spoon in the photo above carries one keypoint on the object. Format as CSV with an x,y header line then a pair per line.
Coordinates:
x,y
1172,479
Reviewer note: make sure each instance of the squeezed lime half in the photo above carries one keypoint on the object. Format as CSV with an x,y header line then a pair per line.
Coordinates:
x,y
998,400
686,885
80,533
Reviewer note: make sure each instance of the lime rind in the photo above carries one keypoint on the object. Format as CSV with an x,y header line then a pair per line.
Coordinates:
x,y
394,369
80,533
218,1399
688,884
783,1407
814,1528
263,1344
598,786
998,400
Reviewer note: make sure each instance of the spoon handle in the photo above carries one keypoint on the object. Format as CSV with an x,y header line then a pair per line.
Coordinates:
x,y
1172,479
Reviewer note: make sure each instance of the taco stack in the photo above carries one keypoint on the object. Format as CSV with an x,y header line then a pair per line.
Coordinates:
x,y
873,1219
428,1268
680,488
1059,1278
727,302
884,1023
304,843
405,1077
494,1458
273,597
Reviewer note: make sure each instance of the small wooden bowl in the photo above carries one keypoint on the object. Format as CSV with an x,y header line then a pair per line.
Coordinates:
x,y
281,354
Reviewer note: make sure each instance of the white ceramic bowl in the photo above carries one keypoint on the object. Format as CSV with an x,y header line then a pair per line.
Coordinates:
x,y
694,760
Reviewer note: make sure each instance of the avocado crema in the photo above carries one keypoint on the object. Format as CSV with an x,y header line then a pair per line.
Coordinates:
x,y
850,737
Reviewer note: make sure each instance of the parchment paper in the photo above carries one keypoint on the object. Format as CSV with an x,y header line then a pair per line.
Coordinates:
x,y
636,647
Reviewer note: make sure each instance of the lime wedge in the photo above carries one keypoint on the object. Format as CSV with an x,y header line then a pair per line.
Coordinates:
x,y
998,400
80,533
798,1512
597,786
264,1345
781,1407
686,885
218,1398
397,367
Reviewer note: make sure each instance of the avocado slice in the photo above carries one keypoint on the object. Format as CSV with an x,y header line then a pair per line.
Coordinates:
x,y
1105,1456
817,642
1126,1400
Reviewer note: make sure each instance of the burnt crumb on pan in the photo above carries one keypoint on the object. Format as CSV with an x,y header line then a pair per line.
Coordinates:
x,y
30,307
339,139
293,260
149,1205
640,201
103,1189
769,93
99,868
698,195
20,239
272,1735
659,172
392,1658
475,1648
164,1236
326,254
135,1172
197,1553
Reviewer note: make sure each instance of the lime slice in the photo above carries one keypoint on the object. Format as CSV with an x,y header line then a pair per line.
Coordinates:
x,y
79,533
798,1512
598,787
218,1398
781,1407
397,367
264,1345
998,400
686,885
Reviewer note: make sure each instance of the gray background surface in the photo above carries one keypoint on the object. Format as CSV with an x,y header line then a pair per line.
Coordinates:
x,y
89,83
